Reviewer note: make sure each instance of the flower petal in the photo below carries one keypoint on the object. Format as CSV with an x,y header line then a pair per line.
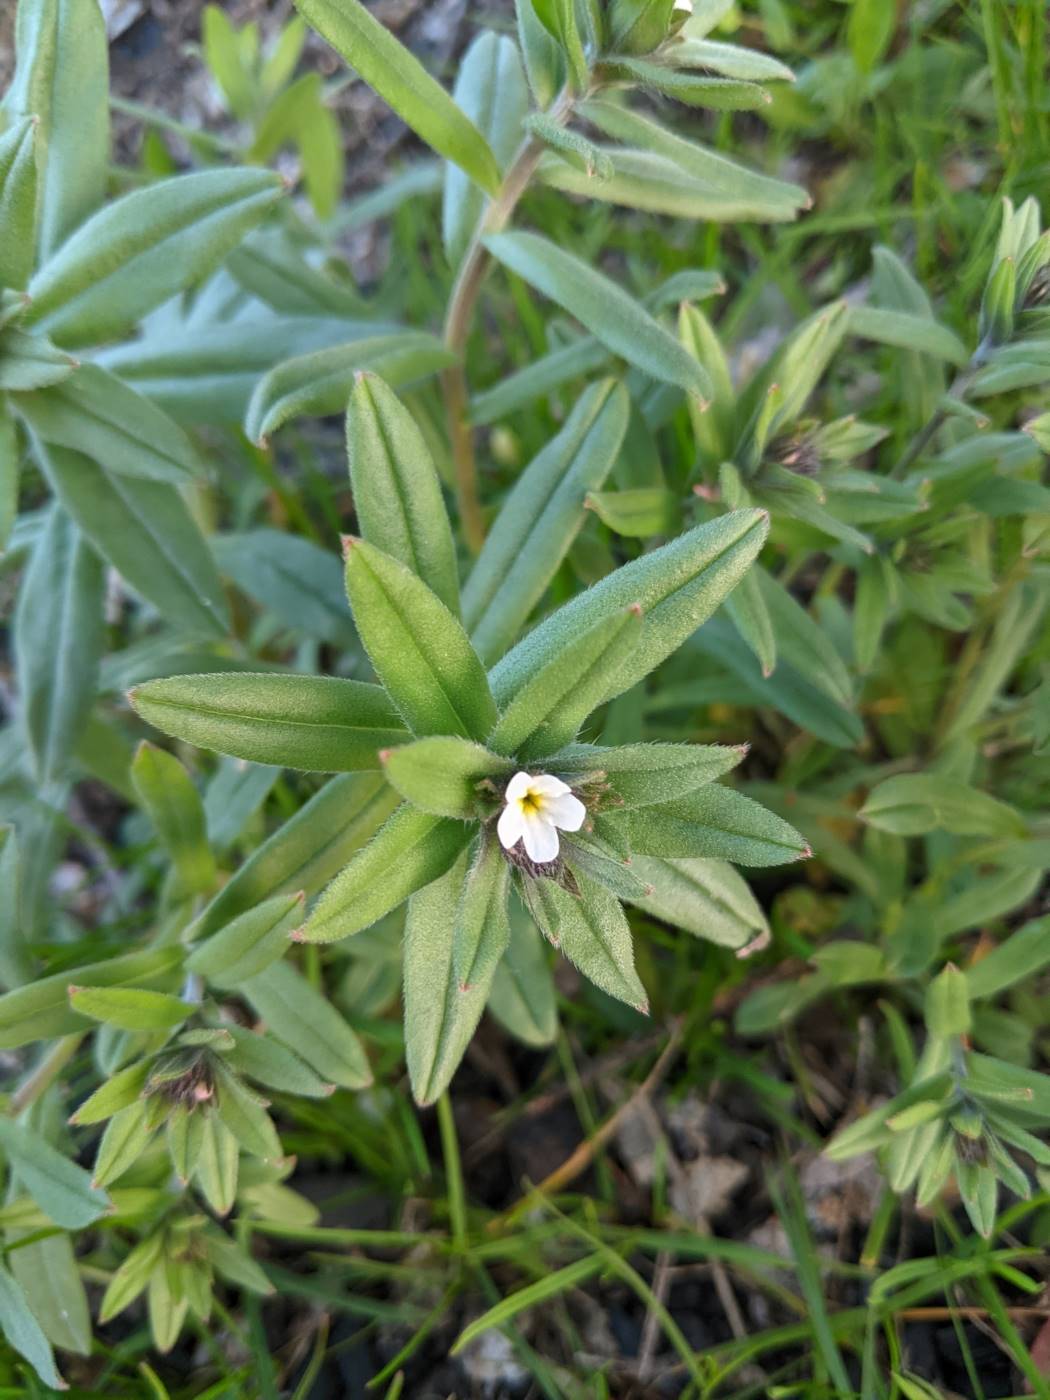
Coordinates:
x,y
510,826
566,811
541,838
518,786
548,786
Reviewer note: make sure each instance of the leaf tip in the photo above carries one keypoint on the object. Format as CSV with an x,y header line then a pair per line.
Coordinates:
x,y
805,853
348,543
635,609
298,935
742,749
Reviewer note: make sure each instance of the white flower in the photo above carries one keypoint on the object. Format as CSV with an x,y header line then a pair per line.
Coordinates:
x,y
536,808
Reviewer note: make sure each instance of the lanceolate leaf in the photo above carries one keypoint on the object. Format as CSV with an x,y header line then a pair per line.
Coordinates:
x,y
58,642
99,415
143,248
10,471
640,775
24,1332
549,709
18,177
491,90
602,306
175,808
300,583
397,493
440,1016
320,382
61,1189
482,926
715,821
409,851
145,531
677,586
403,82
307,851
705,897
591,929
47,1270
764,197
522,994
418,648
320,723
307,1023
541,517
61,79
249,943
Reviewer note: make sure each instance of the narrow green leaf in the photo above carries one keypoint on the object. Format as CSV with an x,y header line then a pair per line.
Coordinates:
x,y
541,517
592,931
319,383
299,1016
47,1271
249,943
705,897
97,414
491,90
61,1189
10,471
307,851
418,648
62,79
18,193
440,1016
320,723
481,929
177,813
908,331
441,774
948,1004
146,532
142,249
550,707
61,600
758,196
125,1139
403,82
677,586
728,60
24,1333
642,774
397,492
300,583
602,306
1019,957
412,849
637,513
245,1116
544,59
40,1010
522,995
217,1163
716,94
130,1008
120,1090
911,804
717,822
268,1062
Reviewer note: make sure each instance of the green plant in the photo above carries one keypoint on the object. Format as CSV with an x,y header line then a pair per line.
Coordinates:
x,y
694,538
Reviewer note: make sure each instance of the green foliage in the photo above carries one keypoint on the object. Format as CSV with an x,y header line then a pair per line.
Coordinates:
x,y
641,590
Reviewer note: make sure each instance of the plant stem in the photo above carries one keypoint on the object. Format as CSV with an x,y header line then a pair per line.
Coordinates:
x,y
960,384
45,1073
460,315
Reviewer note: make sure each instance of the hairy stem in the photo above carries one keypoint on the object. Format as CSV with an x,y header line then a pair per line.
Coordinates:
x,y
958,389
459,319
